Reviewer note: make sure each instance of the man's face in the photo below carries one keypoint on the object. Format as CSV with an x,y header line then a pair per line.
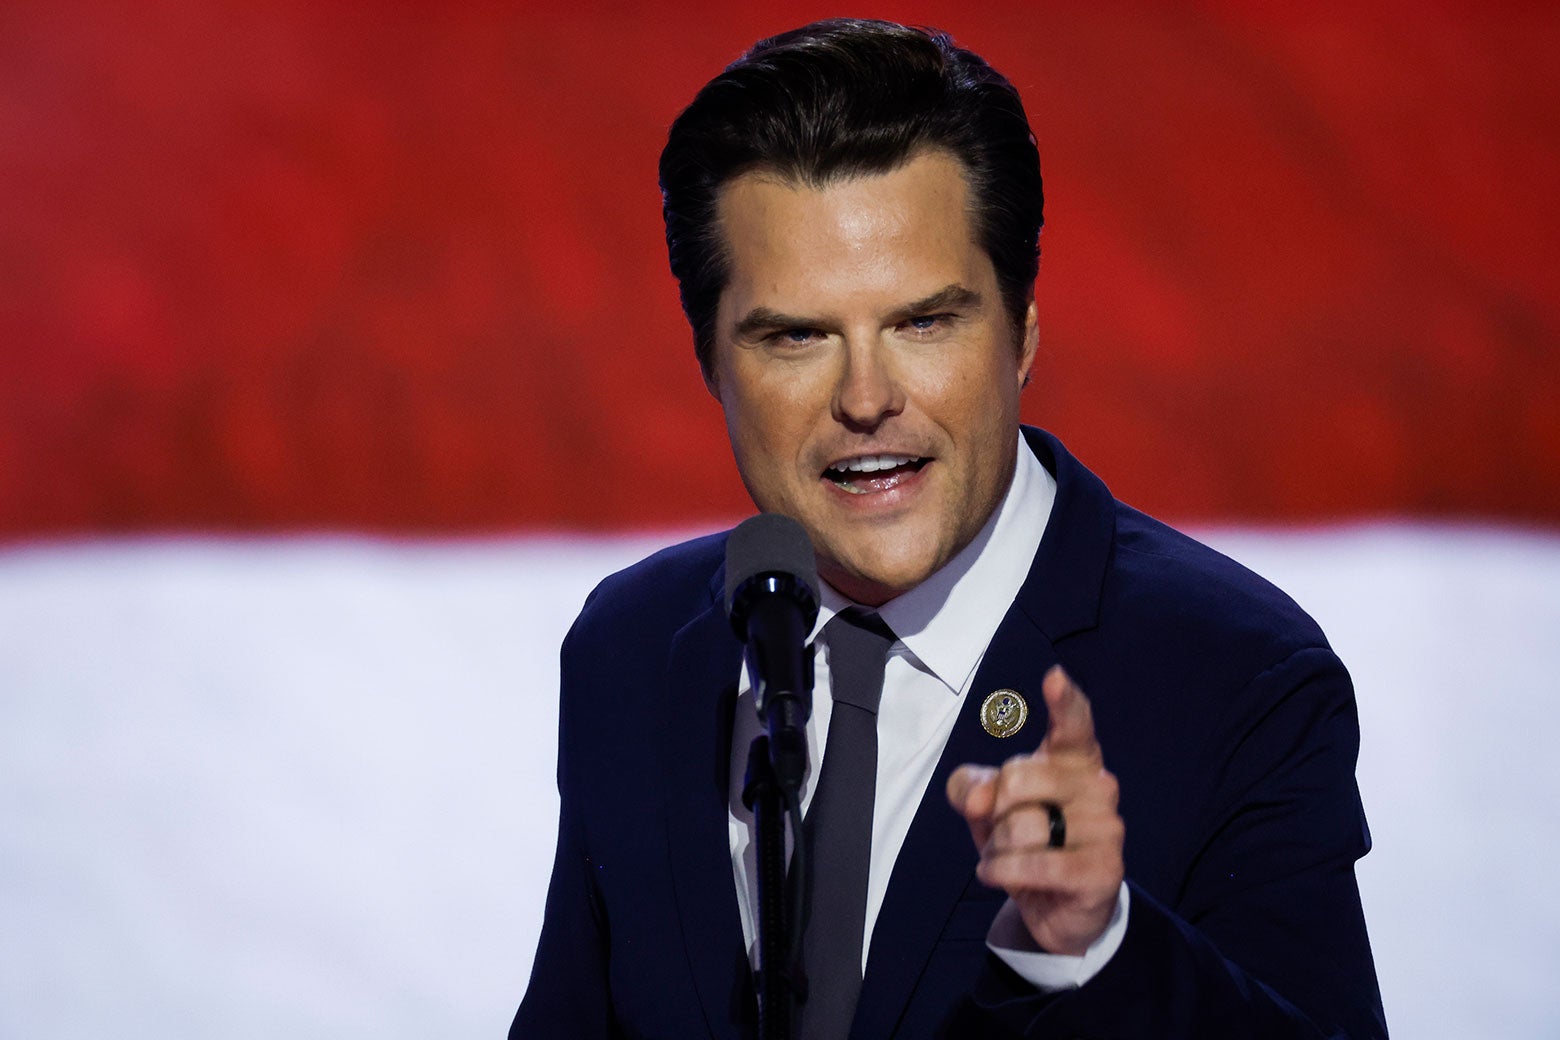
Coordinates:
x,y
867,368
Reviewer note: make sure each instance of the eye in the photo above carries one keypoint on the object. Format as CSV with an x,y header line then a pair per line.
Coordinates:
x,y
794,337
923,324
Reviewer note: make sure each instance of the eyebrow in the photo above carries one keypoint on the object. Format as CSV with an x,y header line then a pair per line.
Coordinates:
x,y
949,297
762,319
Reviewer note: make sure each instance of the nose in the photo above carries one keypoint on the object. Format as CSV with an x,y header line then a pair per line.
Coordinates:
x,y
868,390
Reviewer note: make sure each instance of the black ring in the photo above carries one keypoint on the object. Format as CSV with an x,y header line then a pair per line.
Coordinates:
x,y
1058,836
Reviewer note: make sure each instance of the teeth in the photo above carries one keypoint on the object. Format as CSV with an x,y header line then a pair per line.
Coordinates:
x,y
873,463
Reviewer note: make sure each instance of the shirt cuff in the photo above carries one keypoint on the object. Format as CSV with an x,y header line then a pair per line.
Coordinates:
x,y
1010,940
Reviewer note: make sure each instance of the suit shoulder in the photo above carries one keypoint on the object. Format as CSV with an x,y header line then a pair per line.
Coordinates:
x,y
661,592
1200,591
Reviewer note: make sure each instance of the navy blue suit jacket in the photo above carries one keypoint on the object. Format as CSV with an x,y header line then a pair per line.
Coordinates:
x,y
1220,708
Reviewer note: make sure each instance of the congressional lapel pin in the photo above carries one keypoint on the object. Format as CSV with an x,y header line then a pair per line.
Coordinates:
x,y
1003,713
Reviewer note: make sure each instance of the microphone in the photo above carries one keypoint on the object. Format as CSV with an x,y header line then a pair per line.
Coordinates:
x,y
772,600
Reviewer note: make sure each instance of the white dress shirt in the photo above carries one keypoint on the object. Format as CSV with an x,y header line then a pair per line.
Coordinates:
x,y
943,627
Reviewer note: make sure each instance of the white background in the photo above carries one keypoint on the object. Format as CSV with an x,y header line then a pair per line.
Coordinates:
x,y
304,787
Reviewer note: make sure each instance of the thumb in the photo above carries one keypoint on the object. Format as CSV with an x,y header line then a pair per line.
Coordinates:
x,y
972,791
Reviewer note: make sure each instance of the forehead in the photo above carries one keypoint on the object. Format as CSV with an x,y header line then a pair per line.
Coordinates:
x,y
894,235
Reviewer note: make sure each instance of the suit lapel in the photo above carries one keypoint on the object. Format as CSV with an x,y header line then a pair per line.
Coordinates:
x,y
937,863
695,738
1060,596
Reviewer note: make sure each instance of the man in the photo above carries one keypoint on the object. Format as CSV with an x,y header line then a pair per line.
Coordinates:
x,y
852,213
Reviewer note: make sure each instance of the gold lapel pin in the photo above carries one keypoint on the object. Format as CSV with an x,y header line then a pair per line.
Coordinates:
x,y
1003,713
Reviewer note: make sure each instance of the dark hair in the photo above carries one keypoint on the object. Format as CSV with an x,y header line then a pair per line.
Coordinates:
x,y
837,99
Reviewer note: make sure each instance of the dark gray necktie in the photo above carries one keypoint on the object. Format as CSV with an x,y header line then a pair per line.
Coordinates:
x,y
839,821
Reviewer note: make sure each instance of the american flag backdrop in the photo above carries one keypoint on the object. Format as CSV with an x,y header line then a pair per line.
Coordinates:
x,y
339,359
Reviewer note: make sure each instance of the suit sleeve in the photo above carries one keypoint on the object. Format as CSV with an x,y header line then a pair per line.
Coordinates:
x,y
569,996
1265,936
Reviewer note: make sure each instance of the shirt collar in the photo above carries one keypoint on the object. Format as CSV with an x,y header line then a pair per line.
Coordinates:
x,y
947,621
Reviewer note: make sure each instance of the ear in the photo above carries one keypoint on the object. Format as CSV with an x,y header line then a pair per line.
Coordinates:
x,y
1030,344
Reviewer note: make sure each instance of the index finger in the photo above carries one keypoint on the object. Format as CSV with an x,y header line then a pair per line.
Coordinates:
x,y
1071,724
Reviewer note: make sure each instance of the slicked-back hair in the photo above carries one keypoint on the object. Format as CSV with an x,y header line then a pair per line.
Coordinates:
x,y
839,99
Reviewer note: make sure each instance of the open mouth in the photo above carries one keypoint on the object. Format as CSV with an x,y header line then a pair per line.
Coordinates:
x,y
867,474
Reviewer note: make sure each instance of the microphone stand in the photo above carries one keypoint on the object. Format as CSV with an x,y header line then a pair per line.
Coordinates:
x,y
772,789
781,984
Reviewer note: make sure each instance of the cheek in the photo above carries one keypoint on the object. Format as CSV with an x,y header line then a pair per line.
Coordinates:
x,y
765,434
776,406
977,408
958,398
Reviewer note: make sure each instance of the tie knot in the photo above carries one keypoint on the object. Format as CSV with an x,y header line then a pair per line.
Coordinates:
x,y
867,620
858,650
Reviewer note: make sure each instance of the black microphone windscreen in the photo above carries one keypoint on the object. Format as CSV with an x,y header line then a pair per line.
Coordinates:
x,y
769,543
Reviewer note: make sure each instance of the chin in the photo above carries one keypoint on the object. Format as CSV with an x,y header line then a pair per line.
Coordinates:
x,y
875,584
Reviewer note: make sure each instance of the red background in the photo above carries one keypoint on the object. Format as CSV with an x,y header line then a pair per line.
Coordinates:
x,y
397,266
